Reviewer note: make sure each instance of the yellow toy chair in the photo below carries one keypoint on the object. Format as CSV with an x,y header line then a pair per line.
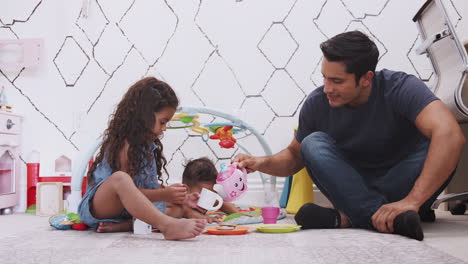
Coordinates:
x,y
301,191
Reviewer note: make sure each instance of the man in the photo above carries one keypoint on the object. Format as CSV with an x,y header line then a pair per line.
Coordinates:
x,y
379,145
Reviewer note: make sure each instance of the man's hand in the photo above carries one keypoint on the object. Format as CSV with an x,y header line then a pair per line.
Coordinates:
x,y
176,193
250,163
383,218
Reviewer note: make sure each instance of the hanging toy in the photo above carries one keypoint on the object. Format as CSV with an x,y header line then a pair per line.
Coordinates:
x,y
190,121
224,134
231,182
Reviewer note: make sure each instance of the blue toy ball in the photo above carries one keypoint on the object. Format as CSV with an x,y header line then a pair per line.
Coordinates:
x,y
61,222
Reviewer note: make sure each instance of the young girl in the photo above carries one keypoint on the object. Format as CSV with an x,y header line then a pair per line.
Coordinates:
x,y
201,173
126,177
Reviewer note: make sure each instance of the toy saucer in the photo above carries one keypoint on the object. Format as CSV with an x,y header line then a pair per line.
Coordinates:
x,y
277,228
239,230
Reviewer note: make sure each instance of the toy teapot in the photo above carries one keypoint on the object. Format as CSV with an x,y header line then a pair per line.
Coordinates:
x,y
231,182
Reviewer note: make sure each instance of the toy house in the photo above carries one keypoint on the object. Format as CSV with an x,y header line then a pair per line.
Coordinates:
x,y
61,174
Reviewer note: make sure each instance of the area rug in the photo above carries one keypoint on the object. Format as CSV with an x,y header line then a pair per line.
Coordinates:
x,y
32,240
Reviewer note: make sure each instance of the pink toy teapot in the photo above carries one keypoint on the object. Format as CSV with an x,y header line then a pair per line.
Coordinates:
x,y
231,183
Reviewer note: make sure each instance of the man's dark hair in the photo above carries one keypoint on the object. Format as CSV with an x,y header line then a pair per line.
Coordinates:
x,y
354,49
199,170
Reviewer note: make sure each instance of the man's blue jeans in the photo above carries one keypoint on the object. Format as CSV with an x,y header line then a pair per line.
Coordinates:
x,y
358,192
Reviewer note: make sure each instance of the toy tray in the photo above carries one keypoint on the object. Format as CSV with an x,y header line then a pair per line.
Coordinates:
x,y
239,230
277,228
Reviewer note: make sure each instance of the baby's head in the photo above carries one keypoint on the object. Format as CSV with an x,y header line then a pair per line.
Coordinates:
x,y
200,173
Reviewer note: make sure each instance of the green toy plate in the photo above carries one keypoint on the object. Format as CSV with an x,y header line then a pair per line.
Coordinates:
x,y
277,228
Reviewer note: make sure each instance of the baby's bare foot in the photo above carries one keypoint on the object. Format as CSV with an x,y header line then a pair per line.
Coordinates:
x,y
108,227
182,228
214,219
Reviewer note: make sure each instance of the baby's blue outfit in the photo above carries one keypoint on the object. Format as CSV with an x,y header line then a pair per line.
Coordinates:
x,y
145,179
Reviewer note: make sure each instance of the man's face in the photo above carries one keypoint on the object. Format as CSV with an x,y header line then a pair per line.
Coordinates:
x,y
340,86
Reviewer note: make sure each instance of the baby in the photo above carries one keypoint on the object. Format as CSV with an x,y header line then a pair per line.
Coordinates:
x,y
198,174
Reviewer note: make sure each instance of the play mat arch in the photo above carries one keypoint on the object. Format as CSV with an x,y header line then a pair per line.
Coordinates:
x,y
187,118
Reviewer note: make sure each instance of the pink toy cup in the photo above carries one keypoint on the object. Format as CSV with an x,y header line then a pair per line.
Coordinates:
x,y
270,214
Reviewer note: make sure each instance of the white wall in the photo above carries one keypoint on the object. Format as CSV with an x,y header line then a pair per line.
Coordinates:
x,y
258,59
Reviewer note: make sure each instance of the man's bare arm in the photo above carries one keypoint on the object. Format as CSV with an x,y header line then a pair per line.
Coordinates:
x,y
437,123
284,163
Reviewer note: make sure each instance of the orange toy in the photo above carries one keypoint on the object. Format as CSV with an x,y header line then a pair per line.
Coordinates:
x,y
224,134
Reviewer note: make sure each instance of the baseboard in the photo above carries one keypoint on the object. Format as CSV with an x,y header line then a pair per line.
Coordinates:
x,y
320,199
256,196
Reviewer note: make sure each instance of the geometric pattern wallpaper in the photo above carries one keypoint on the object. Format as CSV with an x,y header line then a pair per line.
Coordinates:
x,y
256,59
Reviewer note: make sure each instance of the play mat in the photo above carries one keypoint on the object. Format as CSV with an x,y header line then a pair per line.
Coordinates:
x,y
248,215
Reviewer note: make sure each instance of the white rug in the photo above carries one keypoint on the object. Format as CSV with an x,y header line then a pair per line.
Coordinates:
x,y
29,239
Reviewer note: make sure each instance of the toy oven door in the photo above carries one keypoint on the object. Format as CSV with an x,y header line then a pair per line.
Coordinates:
x,y
7,171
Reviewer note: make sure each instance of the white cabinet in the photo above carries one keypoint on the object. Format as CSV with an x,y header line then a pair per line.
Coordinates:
x,y
10,127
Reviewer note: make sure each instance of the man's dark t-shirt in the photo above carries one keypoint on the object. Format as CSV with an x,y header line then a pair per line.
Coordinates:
x,y
379,133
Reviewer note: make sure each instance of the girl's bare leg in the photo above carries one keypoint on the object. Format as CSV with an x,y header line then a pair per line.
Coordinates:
x,y
175,210
119,192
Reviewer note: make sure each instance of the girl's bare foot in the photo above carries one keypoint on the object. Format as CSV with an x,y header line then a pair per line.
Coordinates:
x,y
108,227
175,229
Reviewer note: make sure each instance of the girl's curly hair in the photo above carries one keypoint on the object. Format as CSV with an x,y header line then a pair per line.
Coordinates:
x,y
133,122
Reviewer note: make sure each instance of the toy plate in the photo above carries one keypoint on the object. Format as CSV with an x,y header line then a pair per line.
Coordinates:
x,y
277,228
239,230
